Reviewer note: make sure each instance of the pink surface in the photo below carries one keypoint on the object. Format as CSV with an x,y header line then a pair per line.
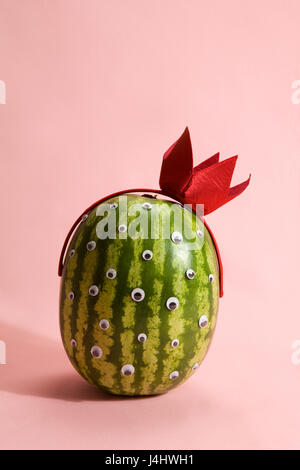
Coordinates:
x,y
96,91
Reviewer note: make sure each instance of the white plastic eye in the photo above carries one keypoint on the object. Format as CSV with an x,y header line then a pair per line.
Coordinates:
x,y
211,278
111,273
96,352
104,324
72,253
138,294
147,255
176,237
147,206
73,343
91,245
172,303
127,370
175,343
114,205
190,274
84,217
71,295
142,337
203,321
93,290
195,366
122,228
174,375
200,234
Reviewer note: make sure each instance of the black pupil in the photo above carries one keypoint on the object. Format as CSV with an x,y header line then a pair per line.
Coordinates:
x,y
142,338
127,372
172,305
147,255
110,274
137,295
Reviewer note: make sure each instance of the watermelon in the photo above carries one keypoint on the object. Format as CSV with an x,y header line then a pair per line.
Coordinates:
x,y
137,314
141,277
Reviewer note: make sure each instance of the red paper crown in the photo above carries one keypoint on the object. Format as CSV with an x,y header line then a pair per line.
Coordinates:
x,y
208,183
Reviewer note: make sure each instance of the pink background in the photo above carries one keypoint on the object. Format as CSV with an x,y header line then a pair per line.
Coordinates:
x,y
96,92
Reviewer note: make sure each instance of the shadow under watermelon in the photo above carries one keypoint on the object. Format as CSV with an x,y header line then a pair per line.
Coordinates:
x,y
38,366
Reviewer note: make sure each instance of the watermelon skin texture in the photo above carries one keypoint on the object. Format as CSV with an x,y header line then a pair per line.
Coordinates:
x,y
100,332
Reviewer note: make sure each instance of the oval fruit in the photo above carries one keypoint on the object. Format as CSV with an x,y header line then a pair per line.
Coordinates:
x,y
121,329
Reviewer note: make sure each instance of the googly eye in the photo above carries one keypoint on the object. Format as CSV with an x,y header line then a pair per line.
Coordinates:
x,y
127,370
142,337
114,205
93,290
172,303
175,343
147,255
200,234
72,253
84,217
138,294
104,324
174,375
195,366
91,245
211,278
176,237
190,274
96,352
71,295
203,321
122,228
147,206
111,273
73,343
